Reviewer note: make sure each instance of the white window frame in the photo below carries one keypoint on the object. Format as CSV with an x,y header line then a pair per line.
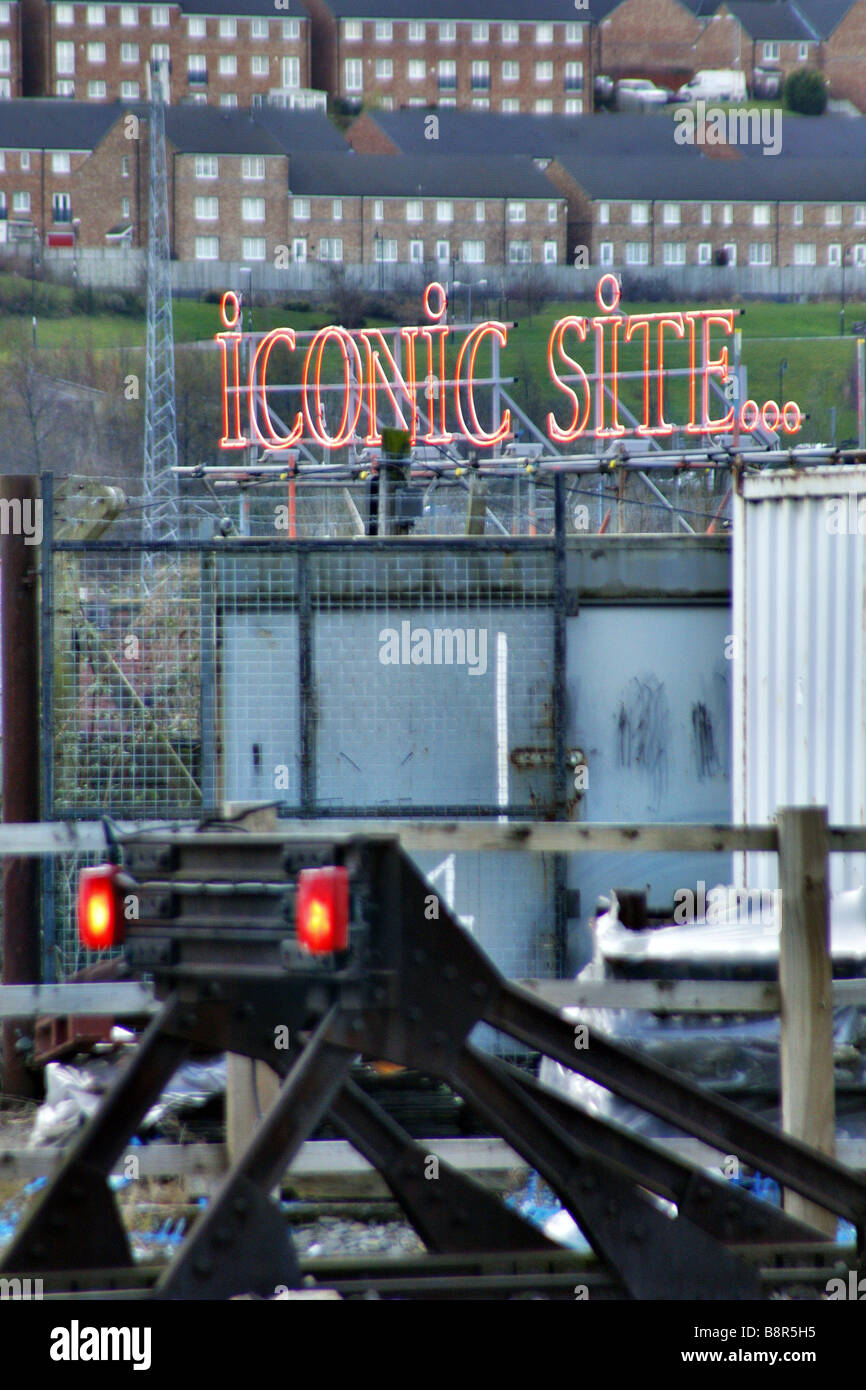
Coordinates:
x,y
96,53
448,32
444,210
378,210
331,249
227,65
337,210
64,15
480,210
206,166
254,209
674,253
550,253
253,167
227,27
97,89
385,250
761,215
834,254
60,162
260,65
481,32
384,31
637,253
416,70
574,33
160,16
353,75
603,214
640,215
671,215
260,28
705,253
196,26
605,253
417,31
511,33
833,215
384,69
520,253
510,70
300,209
207,248
129,16
473,252
291,30
415,210
353,30
129,53
254,248
544,34
771,52
706,214
130,91
416,252
95,16
805,253
206,208
64,65
544,71
516,212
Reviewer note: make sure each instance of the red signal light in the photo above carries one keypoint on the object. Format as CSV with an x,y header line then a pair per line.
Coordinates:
x,y
100,907
322,910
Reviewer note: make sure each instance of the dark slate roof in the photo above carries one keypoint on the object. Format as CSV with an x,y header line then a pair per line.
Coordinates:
x,y
259,130
823,15
47,124
689,177
399,176
773,20
495,11
617,137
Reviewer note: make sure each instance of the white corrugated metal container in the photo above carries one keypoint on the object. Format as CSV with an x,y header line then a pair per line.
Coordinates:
x,y
799,619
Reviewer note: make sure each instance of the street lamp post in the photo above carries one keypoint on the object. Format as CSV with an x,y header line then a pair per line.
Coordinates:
x,y
76,223
783,367
33,265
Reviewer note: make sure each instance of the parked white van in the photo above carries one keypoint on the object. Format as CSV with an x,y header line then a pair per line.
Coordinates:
x,y
714,84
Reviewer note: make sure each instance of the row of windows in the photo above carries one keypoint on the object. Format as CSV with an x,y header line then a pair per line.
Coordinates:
x,y
207,166
207,248
208,209
253,167
160,18
762,214
60,161
416,71
353,32
543,106
759,253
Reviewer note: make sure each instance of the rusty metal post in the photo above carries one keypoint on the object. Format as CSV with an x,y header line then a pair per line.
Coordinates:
x,y
19,623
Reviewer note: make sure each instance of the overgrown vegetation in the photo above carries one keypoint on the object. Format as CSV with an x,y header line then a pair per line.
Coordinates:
x,y
805,91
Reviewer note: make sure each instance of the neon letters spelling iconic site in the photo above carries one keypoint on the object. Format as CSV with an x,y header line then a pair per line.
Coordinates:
x,y
369,367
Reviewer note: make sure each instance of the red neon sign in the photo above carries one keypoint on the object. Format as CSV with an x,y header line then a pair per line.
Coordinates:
x,y
399,379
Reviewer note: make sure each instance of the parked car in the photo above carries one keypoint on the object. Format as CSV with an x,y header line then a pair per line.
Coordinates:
x,y
714,84
767,83
632,93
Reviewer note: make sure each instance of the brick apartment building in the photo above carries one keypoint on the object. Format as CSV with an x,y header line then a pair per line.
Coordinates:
x,y
76,174
258,185
10,48
498,55
739,208
842,28
425,211
635,197
220,52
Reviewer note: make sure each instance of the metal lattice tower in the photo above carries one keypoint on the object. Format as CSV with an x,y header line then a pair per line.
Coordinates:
x,y
160,517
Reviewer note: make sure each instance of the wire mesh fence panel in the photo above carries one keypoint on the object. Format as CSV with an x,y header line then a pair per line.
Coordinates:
x,y
394,677
127,684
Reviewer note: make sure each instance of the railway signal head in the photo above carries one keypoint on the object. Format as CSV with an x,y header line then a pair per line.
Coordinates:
x,y
100,907
322,910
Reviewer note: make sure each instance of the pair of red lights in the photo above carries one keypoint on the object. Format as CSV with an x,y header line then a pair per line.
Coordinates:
x,y
321,912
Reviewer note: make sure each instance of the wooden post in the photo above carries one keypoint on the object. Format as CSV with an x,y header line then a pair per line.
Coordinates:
x,y
251,1086
806,992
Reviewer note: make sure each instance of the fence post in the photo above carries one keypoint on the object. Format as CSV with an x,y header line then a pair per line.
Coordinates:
x,y
806,994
